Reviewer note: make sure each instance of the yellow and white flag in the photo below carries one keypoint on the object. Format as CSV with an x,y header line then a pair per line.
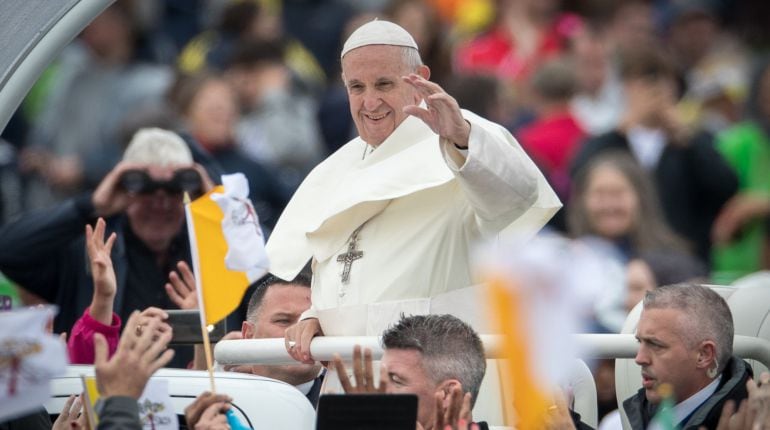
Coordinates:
x,y
227,246
538,290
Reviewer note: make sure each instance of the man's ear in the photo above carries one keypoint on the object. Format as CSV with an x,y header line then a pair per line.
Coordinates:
x,y
247,330
707,354
423,71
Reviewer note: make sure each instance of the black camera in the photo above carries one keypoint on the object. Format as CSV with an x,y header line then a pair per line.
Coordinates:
x,y
184,180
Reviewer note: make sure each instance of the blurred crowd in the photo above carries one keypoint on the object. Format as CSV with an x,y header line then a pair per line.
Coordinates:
x,y
649,118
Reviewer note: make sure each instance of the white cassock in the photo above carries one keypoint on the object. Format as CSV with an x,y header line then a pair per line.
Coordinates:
x,y
414,207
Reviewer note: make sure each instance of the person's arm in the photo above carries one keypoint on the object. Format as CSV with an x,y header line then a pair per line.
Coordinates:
x,y
499,180
38,237
118,413
80,345
34,242
99,317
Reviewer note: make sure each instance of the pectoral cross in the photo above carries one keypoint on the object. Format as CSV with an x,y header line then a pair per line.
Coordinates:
x,y
349,257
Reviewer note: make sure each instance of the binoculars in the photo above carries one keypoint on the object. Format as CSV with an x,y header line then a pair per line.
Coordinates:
x,y
184,180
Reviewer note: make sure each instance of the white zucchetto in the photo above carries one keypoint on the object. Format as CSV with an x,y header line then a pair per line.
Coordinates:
x,y
378,32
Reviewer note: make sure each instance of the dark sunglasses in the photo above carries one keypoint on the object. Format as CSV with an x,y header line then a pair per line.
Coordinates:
x,y
184,180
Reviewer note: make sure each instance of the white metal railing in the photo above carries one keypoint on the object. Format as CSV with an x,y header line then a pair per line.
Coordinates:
x,y
273,351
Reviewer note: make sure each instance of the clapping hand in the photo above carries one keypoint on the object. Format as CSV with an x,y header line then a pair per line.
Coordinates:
x,y
362,373
141,351
452,411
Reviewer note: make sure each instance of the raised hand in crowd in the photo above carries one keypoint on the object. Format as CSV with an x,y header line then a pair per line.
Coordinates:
x,y
181,287
80,346
141,351
453,411
208,412
298,338
753,412
71,416
105,284
363,373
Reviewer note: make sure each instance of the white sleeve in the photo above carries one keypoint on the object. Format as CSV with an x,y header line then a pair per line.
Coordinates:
x,y
500,181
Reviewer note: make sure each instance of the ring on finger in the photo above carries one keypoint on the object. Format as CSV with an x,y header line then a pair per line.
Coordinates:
x,y
292,344
139,329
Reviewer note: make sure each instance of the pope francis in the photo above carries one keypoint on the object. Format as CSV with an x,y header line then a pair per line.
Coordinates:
x,y
388,220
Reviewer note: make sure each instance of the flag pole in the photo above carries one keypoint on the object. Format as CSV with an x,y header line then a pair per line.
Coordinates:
x,y
198,290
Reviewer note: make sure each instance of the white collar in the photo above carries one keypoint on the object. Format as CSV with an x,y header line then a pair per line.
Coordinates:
x,y
305,387
684,408
647,145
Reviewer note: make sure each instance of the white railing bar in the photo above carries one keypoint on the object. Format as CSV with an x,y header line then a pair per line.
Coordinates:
x,y
272,351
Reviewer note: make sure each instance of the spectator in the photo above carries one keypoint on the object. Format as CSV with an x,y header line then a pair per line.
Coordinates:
x,y
210,112
614,211
525,34
599,99
685,335
96,82
651,269
148,216
613,199
714,65
247,22
693,180
270,101
554,137
741,229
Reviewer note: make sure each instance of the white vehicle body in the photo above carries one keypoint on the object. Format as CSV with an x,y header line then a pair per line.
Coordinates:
x,y
259,402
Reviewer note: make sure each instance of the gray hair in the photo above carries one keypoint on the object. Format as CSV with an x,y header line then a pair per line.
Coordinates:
x,y
450,348
158,147
411,58
707,316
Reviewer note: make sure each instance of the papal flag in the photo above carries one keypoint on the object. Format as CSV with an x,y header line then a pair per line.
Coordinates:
x,y
29,357
227,246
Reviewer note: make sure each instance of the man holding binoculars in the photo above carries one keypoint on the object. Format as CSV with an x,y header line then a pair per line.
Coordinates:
x,y
141,200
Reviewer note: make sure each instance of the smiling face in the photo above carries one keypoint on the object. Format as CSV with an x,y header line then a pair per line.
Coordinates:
x,y
665,356
406,375
611,203
377,94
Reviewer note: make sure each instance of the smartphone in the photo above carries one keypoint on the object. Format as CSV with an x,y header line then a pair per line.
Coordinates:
x,y
186,326
367,411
